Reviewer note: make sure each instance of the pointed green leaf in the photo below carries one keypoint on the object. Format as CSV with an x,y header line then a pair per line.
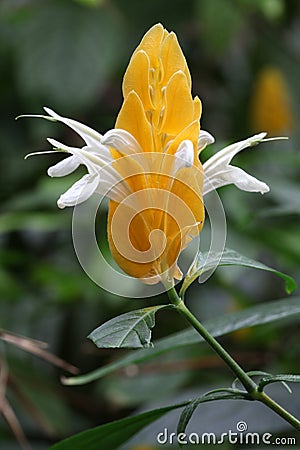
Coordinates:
x,y
112,435
256,373
256,315
218,394
205,262
280,377
252,373
130,330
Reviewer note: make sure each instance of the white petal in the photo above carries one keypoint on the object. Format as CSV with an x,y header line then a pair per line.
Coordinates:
x,y
64,167
246,182
122,141
60,146
88,156
236,176
125,143
218,171
97,157
100,151
95,152
89,135
204,139
80,191
184,155
224,157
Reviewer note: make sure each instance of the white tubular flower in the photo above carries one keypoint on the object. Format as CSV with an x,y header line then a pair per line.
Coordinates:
x,y
64,167
204,139
122,141
184,155
90,136
101,178
79,191
218,171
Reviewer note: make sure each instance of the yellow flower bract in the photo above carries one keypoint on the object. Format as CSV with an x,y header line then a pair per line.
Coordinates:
x,y
160,113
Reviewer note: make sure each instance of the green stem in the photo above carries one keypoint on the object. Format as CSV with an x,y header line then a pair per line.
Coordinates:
x,y
268,401
246,381
250,386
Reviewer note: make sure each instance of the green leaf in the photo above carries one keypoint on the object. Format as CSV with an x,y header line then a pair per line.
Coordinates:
x,y
205,262
130,330
111,435
256,315
218,394
280,377
254,373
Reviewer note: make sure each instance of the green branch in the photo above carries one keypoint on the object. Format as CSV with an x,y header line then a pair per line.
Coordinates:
x,y
250,386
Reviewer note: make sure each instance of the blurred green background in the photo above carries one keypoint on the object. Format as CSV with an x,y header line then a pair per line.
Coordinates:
x,y
244,57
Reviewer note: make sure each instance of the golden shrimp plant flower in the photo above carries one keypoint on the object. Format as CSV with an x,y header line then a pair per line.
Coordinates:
x,y
148,165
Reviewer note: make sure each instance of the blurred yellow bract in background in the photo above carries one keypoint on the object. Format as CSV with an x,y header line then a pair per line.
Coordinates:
x,y
271,109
